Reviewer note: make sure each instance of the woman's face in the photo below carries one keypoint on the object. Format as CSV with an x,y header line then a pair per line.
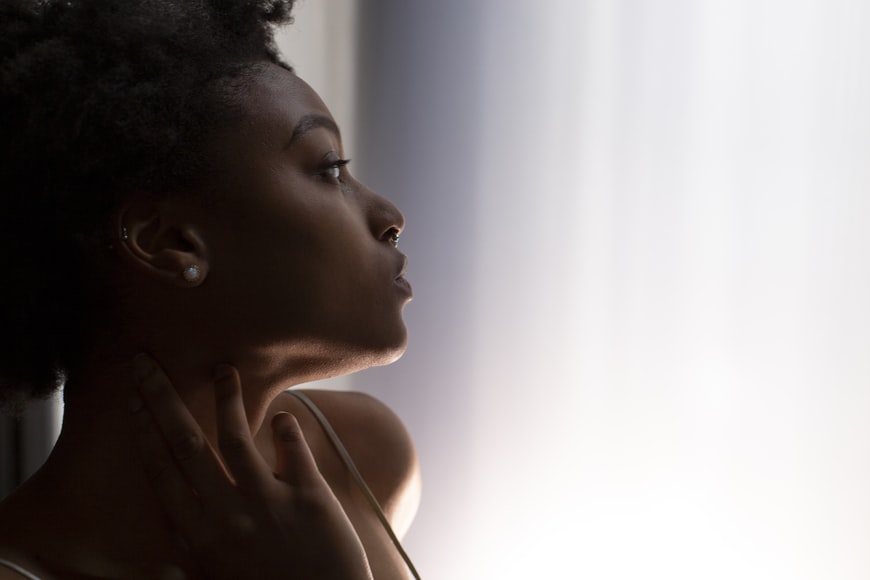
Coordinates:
x,y
301,256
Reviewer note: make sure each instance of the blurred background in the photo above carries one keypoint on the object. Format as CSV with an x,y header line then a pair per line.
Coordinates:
x,y
638,231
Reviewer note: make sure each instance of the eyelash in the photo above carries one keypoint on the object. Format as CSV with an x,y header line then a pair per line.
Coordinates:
x,y
333,170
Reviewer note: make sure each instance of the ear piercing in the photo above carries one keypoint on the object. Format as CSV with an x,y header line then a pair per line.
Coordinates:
x,y
394,239
192,274
123,236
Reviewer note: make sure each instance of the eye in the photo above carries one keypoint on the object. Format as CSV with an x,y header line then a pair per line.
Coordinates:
x,y
332,172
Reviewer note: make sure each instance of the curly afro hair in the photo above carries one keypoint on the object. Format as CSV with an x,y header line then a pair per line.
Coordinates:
x,y
99,98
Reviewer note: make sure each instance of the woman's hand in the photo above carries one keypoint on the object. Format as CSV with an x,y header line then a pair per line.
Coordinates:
x,y
240,519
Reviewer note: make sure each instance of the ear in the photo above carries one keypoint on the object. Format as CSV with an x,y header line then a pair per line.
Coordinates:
x,y
157,239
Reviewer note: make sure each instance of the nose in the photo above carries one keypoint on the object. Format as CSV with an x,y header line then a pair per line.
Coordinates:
x,y
386,221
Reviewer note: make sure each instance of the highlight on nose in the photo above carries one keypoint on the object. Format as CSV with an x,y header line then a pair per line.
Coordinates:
x,y
387,220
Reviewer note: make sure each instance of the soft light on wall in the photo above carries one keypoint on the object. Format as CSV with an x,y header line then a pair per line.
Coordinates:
x,y
641,333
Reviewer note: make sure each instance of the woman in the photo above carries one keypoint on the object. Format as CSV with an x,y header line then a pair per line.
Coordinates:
x,y
170,187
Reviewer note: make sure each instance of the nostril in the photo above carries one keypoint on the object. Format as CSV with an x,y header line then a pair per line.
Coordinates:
x,y
392,236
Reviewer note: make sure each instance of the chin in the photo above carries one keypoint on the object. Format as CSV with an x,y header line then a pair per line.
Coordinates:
x,y
315,359
378,354
388,352
392,356
354,363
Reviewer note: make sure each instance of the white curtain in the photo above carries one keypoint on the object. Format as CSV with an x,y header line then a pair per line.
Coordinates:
x,y
638,237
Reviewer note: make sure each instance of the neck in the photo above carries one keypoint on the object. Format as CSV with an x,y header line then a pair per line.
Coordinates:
x,y
93,491
99,390
90,508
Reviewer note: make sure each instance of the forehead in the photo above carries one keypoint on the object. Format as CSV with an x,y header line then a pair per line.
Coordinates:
x,y
277,85
275,102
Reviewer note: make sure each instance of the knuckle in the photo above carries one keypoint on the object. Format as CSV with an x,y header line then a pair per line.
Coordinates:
x,y
186,445
289,435
232,442
242,524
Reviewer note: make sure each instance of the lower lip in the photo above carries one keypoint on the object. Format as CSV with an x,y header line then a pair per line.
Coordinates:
x,y
404,285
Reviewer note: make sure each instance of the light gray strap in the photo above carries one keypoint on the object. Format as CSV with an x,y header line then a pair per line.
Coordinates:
x,y
357,476
16,568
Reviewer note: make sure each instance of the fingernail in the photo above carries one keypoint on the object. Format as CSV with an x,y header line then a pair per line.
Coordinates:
x,y
222,371
135,404
142,366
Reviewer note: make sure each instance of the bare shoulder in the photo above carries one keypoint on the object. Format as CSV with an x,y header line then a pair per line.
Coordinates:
x,y
376,439
9,574
10,558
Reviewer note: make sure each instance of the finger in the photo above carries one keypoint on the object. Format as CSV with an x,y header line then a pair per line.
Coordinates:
x,y
237,447
185,440
294,462
167,482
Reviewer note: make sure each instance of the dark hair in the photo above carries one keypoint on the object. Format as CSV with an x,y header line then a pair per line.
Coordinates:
x,y
100,98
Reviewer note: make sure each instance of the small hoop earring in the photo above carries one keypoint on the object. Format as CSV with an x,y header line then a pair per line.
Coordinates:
x,y
192,274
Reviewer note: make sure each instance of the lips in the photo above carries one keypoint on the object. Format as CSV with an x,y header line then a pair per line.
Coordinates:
x,y
400,279
403,268
404,285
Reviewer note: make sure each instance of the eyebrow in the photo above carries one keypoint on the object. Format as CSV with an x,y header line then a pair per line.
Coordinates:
x,y
310,122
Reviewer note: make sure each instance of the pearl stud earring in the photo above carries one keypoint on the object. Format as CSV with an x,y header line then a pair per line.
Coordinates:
x,y
192,274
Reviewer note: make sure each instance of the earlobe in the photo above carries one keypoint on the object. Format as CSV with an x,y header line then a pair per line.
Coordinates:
x,y
192,274
159,244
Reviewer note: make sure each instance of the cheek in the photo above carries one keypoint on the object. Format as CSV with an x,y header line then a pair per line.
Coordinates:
x,y
326,267
306,264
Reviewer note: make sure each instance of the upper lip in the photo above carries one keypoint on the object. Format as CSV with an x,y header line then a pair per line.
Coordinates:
x,y
404,267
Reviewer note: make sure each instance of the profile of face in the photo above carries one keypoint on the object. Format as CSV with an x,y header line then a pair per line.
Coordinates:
x,y
301,257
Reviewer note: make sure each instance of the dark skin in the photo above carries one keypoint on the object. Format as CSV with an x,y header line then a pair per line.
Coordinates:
x,y
300,280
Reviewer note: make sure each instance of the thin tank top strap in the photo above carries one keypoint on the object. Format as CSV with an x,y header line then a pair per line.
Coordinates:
x,y
357,476
16,568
